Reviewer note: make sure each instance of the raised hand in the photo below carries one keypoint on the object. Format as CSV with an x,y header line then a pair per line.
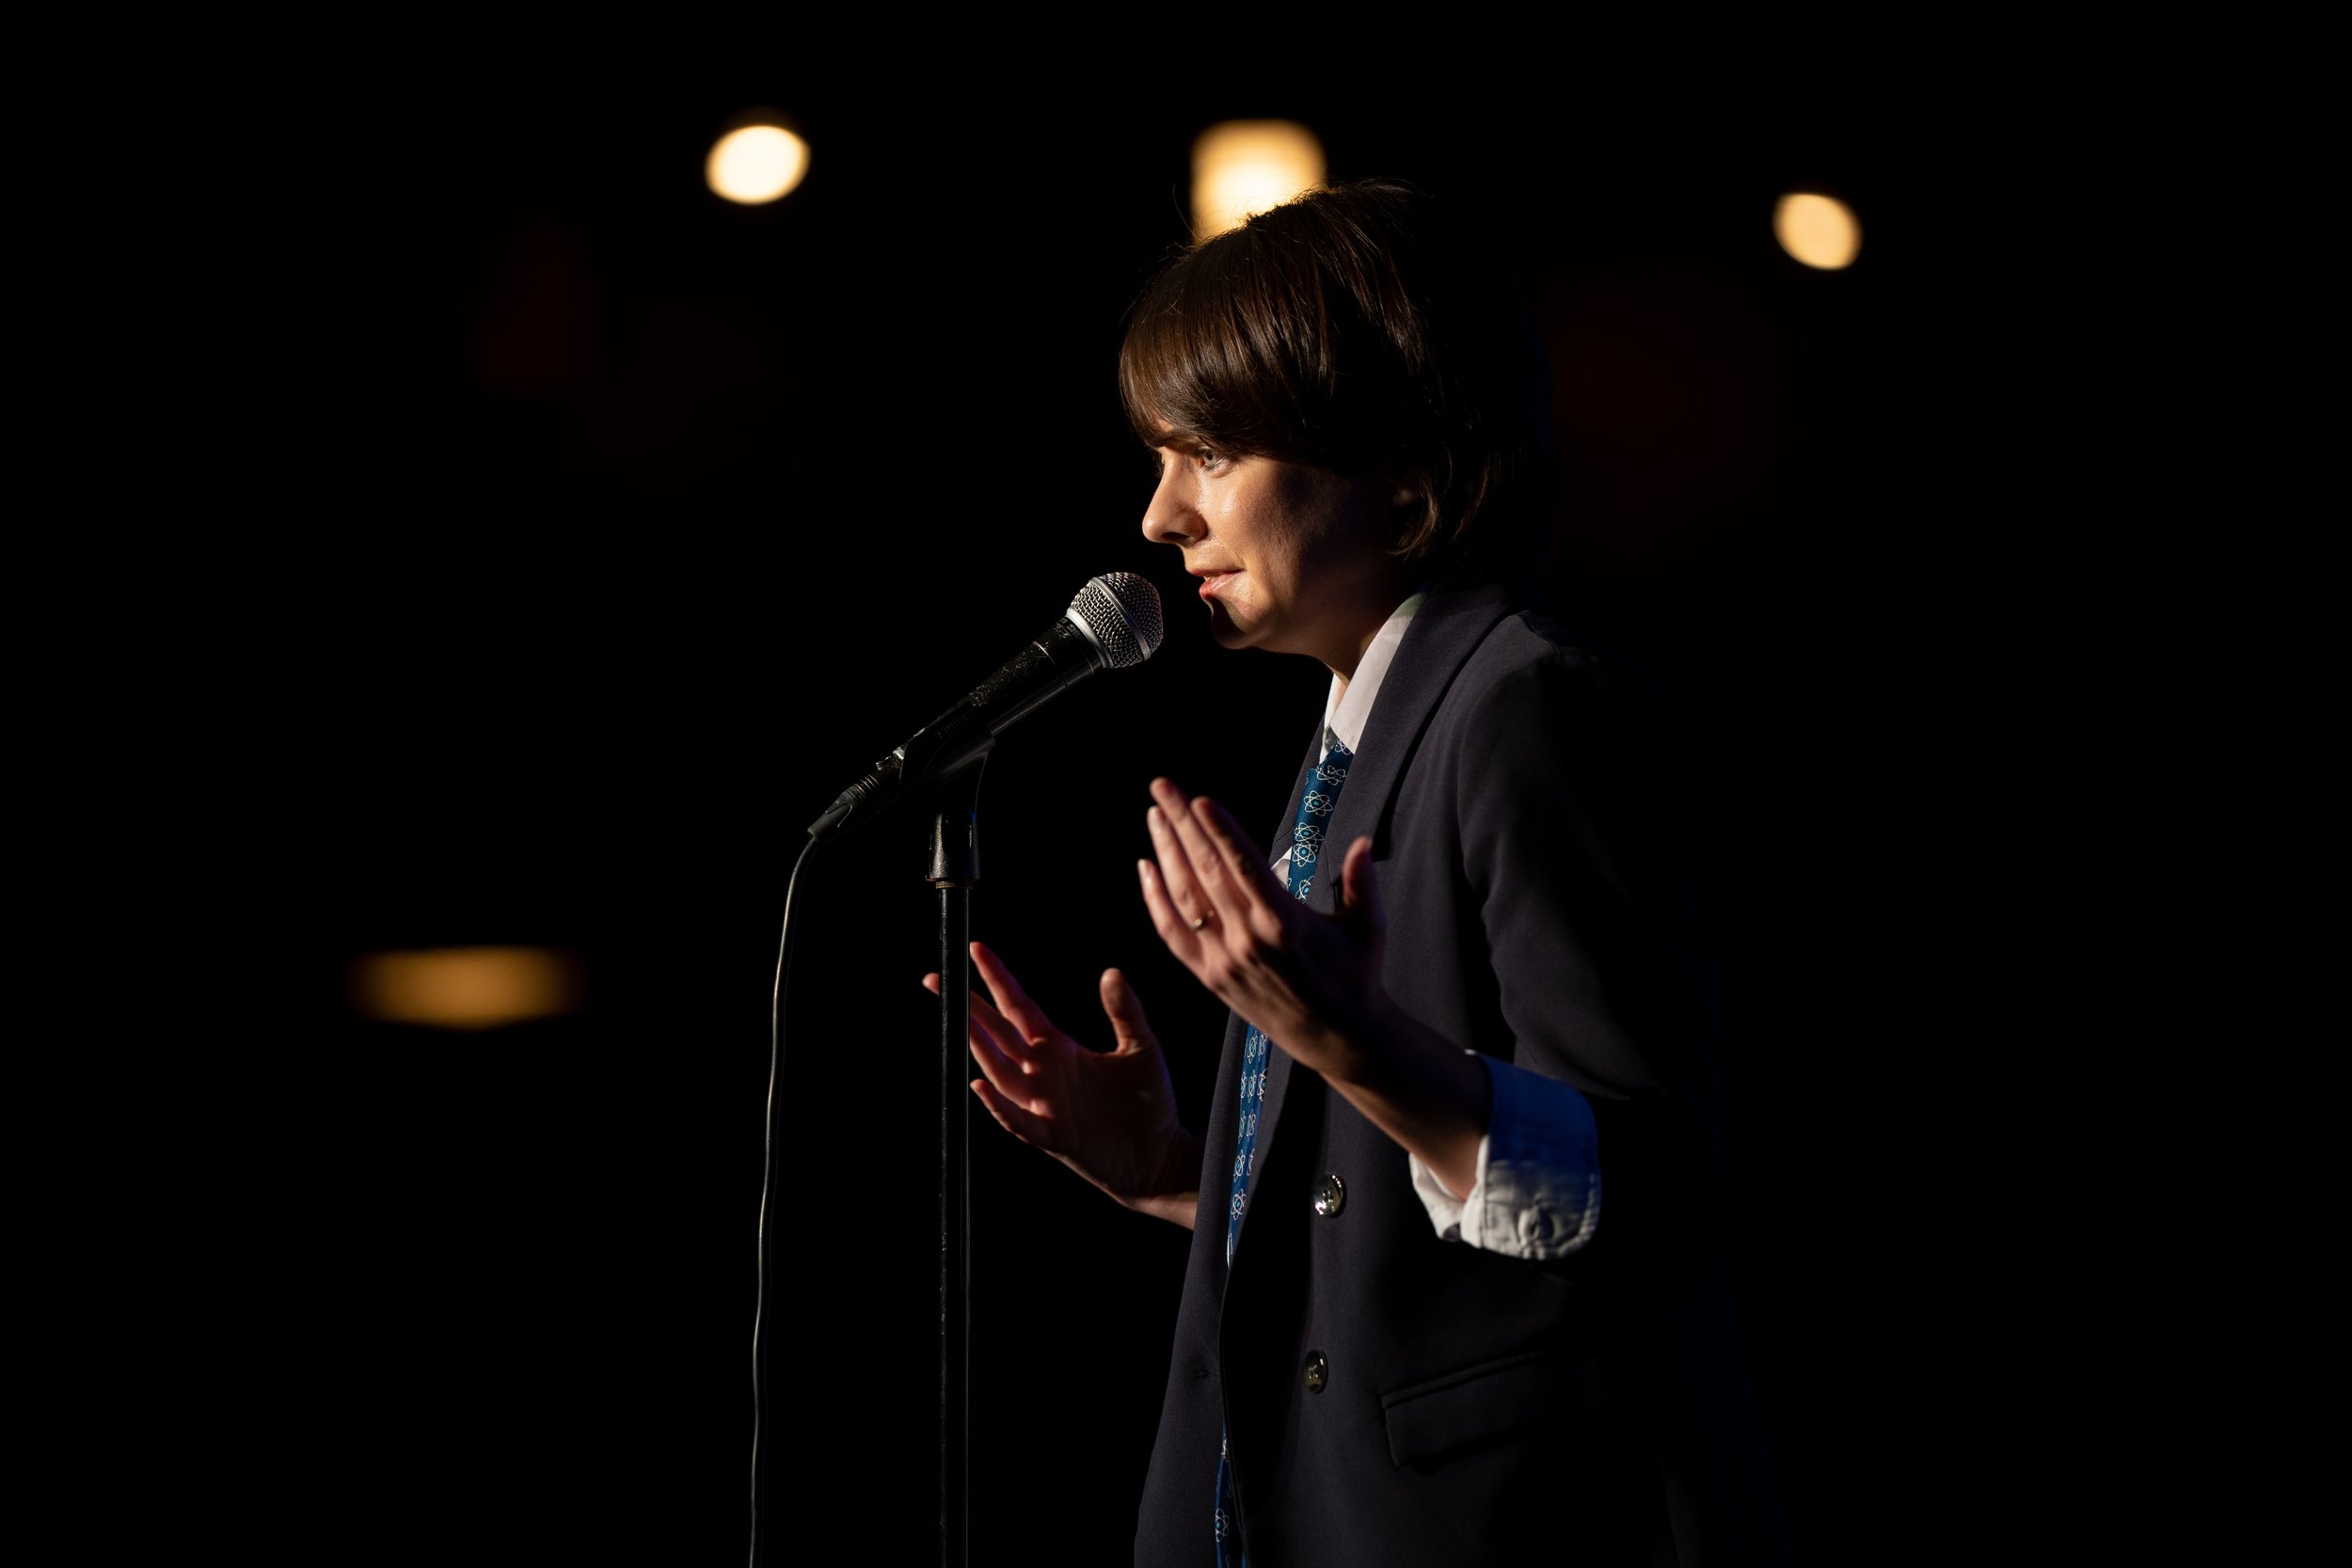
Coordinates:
x,y
1311,981
1109,1115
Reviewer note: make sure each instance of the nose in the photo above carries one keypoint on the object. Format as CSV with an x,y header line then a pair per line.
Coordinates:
x,y
1172,518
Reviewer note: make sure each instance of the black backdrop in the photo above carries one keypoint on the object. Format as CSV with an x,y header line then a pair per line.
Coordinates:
x,y
612,528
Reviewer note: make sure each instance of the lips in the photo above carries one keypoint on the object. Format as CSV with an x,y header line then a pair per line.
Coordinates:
x,y
1212,581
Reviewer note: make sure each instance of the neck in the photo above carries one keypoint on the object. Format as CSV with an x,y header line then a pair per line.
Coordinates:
x,y
1346,654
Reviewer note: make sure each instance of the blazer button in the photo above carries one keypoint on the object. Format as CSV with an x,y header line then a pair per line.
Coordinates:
x,y
1318,1371
1331,1195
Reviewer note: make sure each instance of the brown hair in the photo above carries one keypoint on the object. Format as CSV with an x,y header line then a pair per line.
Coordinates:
x,y
1355,328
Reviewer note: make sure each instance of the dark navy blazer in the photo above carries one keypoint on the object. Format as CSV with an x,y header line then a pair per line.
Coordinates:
x,y
1474,1408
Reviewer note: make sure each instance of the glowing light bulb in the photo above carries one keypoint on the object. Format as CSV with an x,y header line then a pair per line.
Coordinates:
x,y
1243,166
464,988
1819,230
756,164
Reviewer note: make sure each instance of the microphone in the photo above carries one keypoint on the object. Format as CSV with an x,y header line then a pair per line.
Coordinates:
x,y
1112,623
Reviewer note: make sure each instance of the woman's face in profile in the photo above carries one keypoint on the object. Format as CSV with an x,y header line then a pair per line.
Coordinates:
x,y
1291,558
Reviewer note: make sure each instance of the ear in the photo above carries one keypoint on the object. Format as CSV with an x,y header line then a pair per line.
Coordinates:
x,y
1407,487
1408,511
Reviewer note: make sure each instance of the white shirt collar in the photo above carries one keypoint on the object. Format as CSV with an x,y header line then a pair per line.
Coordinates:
x,y
1343,716
1344,713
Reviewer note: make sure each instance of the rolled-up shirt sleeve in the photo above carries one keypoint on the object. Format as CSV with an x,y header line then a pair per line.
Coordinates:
x,y
1537,1194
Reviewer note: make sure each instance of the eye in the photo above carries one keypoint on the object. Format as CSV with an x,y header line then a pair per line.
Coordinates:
x,y
1210,458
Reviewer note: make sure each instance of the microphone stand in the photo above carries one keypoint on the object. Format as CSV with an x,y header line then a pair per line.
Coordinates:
x,y
955,867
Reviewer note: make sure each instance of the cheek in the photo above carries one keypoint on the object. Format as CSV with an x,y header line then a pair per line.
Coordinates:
x,y
1327,518
1244,526
1322,545
1284,554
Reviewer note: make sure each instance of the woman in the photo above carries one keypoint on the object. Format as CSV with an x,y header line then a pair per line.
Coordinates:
x,y
1456,1290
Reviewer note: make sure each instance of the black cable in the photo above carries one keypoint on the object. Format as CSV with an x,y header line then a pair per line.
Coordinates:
x,y
766,1185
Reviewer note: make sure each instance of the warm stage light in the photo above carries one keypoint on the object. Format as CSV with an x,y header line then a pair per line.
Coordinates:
x,y
464,988
756,164
1819,230
1246,166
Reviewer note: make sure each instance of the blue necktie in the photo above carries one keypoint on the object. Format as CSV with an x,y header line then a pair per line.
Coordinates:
x,y
1314,815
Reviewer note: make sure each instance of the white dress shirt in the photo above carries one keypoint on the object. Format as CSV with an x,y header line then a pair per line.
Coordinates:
x,y
1537,1194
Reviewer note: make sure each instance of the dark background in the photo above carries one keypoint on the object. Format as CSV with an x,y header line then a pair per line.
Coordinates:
x,y
604,529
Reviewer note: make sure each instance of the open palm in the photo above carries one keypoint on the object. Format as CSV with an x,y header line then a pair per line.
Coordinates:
x,y
1110,1116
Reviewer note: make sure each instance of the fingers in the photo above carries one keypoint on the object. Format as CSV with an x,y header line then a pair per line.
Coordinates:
x,y
1215,828
1188,904
1220,849
1125,1011
1211,869
1004,1037
1000,1048
1359,887
980,1007
1010,1115
1002,1067
1178,934
1027,1019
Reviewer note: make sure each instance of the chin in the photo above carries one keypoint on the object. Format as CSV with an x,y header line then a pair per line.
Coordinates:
x,y
1226,631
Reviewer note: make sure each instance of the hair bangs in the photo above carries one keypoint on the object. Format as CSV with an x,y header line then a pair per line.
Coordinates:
x,y
1205,355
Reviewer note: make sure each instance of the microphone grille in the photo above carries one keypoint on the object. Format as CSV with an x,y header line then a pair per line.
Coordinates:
x,y
1120,612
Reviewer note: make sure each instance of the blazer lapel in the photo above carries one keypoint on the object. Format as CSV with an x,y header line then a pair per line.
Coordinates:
x,y
1447,627
1450,624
